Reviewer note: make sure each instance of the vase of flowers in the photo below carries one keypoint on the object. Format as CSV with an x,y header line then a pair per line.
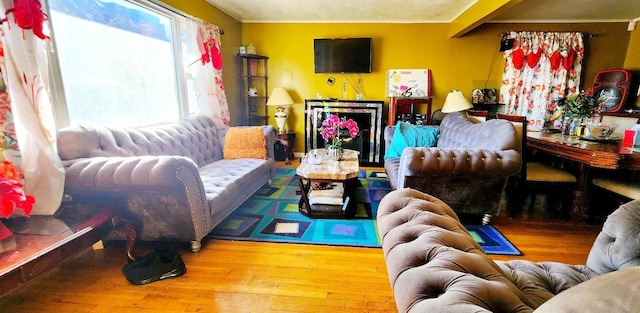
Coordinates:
x,y
581,107
336,130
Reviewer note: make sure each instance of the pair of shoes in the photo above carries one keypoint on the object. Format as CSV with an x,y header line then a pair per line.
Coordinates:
x,y
157,265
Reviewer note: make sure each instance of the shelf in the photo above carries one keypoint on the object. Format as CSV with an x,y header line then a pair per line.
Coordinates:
x,y
253,73
252,56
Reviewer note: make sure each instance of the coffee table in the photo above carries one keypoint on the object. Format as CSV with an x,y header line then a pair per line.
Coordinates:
x,y
343,172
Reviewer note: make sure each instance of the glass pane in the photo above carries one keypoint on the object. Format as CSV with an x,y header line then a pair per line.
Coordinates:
x,y
117,62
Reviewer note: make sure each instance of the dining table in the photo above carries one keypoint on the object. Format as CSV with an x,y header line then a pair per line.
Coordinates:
x,y
590,153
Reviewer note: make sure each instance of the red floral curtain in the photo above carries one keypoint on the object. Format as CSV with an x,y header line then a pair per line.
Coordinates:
x,y
207,95
26,115
539,68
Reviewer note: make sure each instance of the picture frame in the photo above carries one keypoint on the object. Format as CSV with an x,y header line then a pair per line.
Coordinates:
x,y
490,96
612,87
477,96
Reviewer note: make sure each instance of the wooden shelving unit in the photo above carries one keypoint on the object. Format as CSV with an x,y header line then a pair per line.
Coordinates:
x,y
254,76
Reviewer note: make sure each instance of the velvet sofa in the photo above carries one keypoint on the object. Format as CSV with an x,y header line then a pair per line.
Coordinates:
x,y
434,265
467,167
173,182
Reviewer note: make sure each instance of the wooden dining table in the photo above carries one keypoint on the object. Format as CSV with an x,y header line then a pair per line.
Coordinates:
x,y
589,154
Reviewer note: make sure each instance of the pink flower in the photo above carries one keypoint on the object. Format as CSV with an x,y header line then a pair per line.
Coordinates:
x,y
331,127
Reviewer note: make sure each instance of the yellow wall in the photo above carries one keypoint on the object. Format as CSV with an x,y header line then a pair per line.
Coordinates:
x,y
457,63
632,61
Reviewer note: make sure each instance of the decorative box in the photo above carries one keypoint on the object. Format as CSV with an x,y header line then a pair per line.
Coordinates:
x,y
409,83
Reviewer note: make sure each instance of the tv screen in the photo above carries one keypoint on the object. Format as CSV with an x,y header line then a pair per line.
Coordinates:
x,y
342,55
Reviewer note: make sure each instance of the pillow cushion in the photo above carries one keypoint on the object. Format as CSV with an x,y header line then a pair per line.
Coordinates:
x,y
246,142
408,135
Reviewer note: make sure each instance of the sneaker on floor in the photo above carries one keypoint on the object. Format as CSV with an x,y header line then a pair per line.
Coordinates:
x,y
165,264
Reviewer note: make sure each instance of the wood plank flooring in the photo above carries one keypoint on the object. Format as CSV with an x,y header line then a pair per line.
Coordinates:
x,y
233,276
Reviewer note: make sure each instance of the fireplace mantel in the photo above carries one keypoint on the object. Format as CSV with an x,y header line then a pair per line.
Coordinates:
x,y
368,114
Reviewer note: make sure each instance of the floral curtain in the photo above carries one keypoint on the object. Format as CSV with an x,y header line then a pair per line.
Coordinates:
x,y
26,114
203,63
540,68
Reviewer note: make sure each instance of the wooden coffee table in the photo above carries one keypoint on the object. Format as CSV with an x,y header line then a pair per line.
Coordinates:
x,y
343,172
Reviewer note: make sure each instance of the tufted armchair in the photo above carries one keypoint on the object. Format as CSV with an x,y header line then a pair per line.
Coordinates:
x,y
434,265
171,181
467,169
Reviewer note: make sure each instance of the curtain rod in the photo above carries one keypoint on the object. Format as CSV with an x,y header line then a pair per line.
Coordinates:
x,y
534,31
174,10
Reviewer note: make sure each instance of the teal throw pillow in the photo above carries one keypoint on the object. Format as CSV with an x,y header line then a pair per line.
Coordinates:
x,y
408,135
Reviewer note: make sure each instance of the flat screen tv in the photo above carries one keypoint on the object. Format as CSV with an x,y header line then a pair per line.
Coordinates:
x,y
342,55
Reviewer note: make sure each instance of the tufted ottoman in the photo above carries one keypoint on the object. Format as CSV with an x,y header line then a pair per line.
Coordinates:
x,y
435,266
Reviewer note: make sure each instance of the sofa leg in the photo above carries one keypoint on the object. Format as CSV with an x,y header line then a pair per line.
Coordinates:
x,y
486,219
196,245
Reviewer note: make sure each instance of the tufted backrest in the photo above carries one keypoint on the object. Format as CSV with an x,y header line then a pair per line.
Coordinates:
x,y
434,265
194,137
457,131
618,244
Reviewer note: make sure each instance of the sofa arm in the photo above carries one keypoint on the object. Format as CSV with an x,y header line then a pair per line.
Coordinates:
x,y
426,162
270,136
149,191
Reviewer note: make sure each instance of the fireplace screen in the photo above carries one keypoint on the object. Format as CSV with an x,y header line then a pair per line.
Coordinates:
x,y
368,115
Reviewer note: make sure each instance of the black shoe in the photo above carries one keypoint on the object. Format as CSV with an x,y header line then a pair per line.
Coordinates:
x,y
166,264
143,261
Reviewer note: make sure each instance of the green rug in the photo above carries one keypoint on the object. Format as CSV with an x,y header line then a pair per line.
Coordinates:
x,y
271,215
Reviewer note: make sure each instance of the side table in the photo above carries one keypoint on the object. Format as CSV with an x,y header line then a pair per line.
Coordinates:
x,y
40,243
288,140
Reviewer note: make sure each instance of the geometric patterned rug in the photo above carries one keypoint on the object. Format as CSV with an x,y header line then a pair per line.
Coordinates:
x,y
271,215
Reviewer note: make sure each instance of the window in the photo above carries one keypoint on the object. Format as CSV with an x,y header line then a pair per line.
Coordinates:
x,y
117,62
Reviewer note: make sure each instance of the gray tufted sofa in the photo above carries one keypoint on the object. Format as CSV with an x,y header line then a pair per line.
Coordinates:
x,y
435,266
170,181
467,169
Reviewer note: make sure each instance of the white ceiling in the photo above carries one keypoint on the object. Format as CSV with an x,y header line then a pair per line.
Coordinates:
x,y
422,11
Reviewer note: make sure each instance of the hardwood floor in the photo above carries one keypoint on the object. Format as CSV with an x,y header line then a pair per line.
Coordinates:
x,y
230,276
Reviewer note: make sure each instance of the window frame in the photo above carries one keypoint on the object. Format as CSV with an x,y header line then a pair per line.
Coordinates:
x,y
56,83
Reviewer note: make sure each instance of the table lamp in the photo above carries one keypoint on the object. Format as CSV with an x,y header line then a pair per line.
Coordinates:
x,y
280,98
456,102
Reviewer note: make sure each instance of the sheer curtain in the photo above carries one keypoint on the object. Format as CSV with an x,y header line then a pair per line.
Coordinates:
x,y
26,106
203,64
539,68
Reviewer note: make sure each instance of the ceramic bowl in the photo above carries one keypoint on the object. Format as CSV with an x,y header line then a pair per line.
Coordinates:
x,y
600,130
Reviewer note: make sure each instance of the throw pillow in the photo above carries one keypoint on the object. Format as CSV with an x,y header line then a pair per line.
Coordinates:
x,y
408,135
247,142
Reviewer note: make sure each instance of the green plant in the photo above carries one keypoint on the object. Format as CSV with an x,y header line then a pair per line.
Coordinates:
x,y
582,105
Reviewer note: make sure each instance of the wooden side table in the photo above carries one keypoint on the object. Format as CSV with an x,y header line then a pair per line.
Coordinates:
x,y
288,140
40,243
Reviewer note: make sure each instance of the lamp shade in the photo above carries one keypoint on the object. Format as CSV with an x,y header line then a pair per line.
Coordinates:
x,y
456,102
279,97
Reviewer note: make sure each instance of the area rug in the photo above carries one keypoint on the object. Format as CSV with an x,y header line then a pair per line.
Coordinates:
x,y
271,215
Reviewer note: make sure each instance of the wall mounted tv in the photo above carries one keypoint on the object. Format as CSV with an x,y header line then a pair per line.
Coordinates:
x,y
342,55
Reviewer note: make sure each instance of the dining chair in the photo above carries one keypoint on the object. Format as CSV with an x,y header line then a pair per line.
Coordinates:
x,y
607,192
477,116
535,178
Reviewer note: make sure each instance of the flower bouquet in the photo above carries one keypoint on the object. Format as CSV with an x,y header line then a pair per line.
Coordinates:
x,y
331,133
583,105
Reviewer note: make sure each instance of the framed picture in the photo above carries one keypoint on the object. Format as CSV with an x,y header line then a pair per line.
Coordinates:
x,y
490,96
612,86
611,97
477,96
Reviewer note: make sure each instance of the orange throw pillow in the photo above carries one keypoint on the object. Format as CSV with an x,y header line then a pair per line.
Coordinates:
x,y
245,143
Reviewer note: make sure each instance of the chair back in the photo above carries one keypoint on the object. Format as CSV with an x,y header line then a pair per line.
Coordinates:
x,y
437,116
622,122
520,124
477,116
